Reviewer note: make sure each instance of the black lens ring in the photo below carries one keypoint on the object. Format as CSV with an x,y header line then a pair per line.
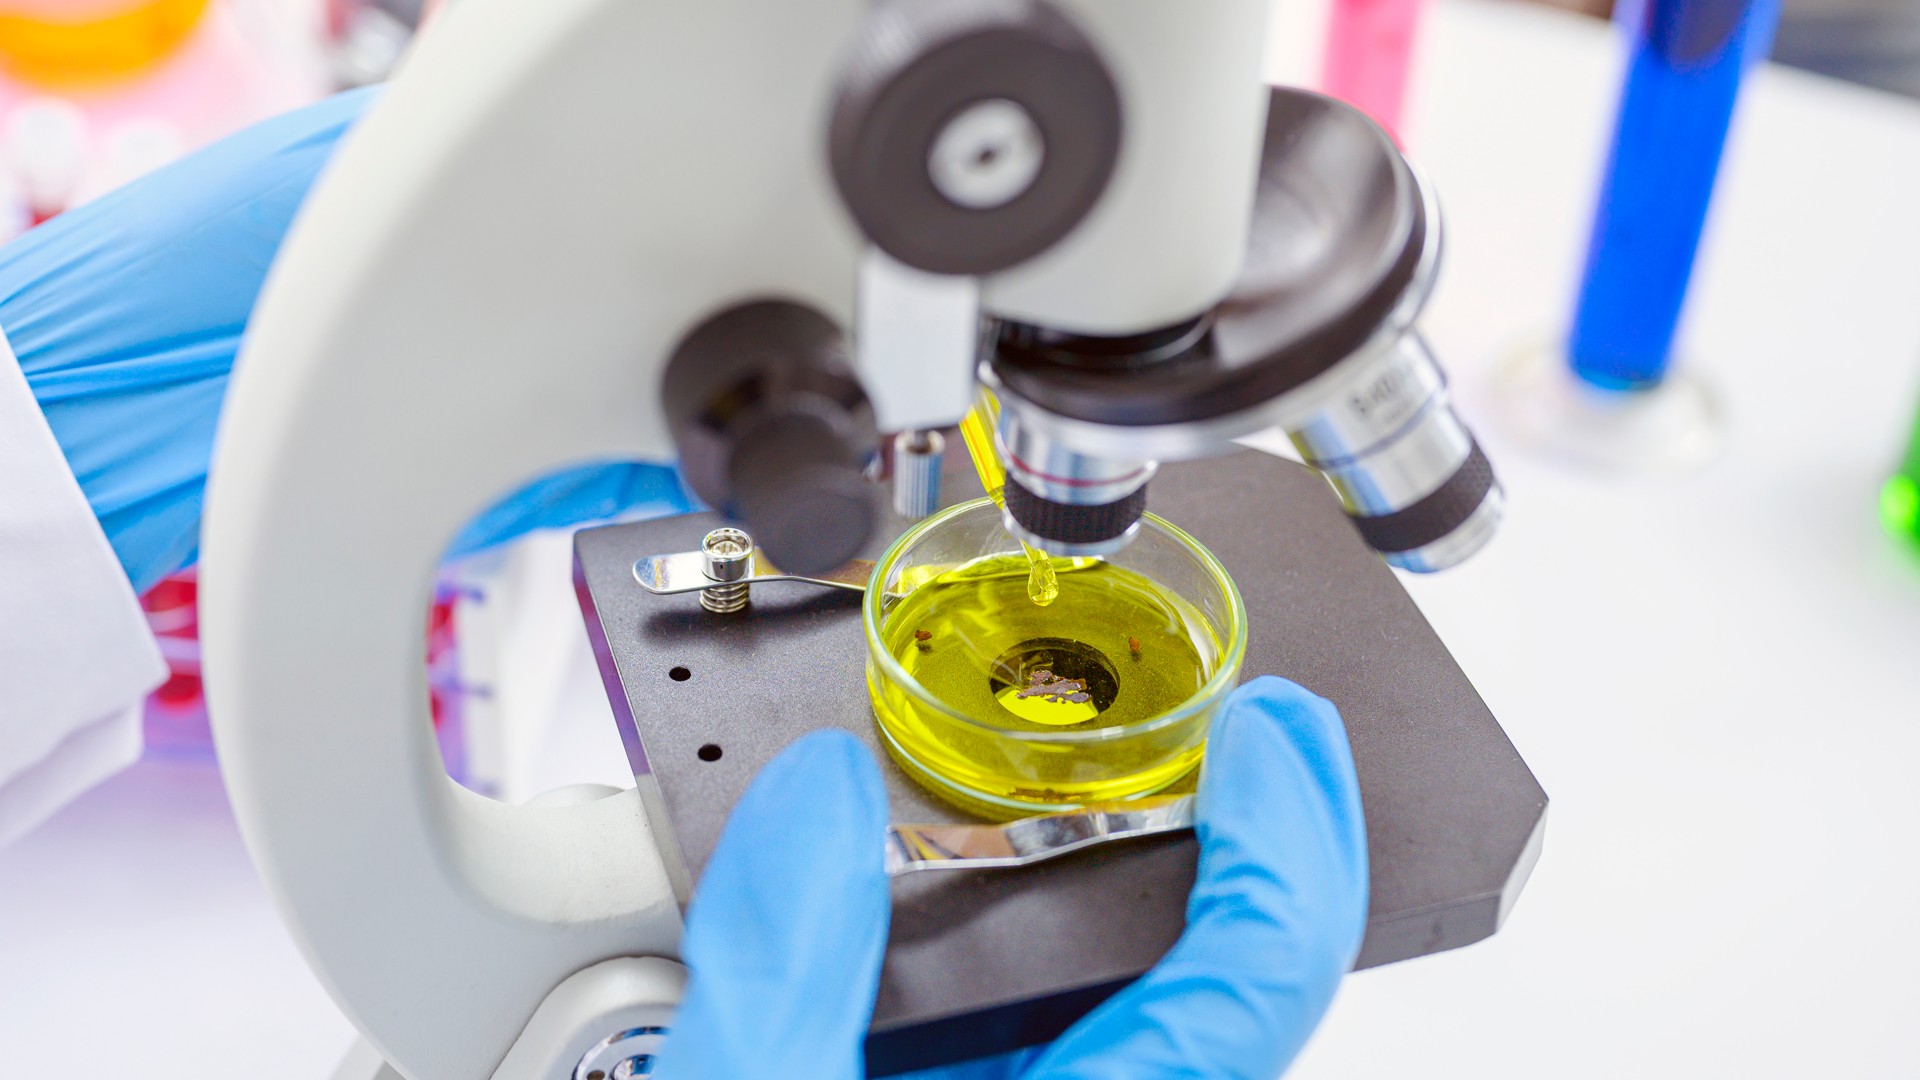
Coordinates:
x,y
1065,523
1436,515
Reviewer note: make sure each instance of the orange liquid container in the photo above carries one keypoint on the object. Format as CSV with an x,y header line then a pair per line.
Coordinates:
x,y
99,47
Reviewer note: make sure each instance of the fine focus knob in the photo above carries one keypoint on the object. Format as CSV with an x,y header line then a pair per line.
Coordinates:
x,y
773,430
971,135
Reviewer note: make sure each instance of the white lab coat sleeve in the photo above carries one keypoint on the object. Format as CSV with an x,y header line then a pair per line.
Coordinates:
x,y
76,657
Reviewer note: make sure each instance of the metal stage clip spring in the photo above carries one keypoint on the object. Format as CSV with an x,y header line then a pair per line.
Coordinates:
x,y
728,555
727,566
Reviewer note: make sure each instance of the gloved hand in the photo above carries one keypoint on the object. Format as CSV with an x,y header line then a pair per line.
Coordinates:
x,y
126,313
786,931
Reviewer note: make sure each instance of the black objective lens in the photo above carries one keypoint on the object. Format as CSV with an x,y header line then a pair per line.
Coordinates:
x,y
1062,527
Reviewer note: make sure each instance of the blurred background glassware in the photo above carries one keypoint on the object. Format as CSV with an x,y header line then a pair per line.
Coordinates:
x,y
69,45
1900,495
1686,63
96,93
1369,52
367,38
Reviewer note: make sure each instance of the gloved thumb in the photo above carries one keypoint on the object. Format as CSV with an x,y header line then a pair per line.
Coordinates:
x,y
1276,915
788,924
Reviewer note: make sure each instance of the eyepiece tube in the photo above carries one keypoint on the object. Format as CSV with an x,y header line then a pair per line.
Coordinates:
x,y
1407,470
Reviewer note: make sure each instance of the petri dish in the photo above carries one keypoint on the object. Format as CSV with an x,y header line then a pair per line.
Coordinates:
x,y
1006,708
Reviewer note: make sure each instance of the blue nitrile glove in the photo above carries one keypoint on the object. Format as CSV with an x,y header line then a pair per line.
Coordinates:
x,y
785,934
126,313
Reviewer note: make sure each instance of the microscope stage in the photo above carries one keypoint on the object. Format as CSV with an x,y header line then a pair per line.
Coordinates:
x,y
981,962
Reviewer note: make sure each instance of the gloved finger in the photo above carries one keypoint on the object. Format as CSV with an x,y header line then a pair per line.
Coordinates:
x,y
1276,914
788,924
586,493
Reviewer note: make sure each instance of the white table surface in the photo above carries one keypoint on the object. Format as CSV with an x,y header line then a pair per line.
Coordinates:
x,y
1716,676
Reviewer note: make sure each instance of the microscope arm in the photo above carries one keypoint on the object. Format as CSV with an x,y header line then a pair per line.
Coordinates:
x,y
482,289
486,286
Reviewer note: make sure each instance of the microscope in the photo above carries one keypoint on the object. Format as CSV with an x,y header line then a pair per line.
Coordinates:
x,y
754,235
1255,258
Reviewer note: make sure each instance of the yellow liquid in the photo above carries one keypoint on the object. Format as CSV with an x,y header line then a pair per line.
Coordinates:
x,y
976,428
1113,650
91,51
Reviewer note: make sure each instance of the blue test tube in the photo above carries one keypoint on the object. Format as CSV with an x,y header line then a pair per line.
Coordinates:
x,y
1682,79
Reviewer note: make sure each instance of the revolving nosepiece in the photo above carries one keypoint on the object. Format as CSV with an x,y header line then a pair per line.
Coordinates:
x,y
1318,336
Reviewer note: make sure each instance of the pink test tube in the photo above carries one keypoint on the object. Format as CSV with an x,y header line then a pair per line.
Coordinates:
x,y
1369,48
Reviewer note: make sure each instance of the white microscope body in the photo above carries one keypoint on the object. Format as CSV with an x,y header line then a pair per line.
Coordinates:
x,y
484,288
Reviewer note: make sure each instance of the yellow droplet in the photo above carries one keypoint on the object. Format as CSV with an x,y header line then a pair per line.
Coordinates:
x,y
1043,587
976,428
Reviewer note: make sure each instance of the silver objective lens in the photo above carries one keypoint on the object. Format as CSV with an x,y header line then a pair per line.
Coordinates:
x,y
1407,470
1066,502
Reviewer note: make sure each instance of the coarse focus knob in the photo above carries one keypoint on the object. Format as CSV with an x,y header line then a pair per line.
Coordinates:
x,y
774,431
971,135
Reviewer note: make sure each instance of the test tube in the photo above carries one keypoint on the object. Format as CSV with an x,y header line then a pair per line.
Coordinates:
x,y
1900,496
1369,49
46,147
1683,76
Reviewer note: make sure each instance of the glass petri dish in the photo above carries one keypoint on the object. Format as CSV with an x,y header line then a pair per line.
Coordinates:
x,y
1006,708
